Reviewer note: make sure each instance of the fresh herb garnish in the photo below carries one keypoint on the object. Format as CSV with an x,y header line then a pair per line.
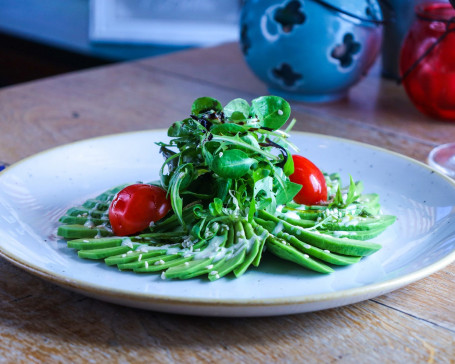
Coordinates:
x,y
238,146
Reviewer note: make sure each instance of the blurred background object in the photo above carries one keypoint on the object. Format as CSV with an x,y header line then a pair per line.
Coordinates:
x,y
40,38
427,60
427,71
398,16
165,22
313,50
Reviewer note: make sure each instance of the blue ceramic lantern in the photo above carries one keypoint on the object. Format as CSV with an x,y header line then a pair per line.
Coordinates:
x,y
311,50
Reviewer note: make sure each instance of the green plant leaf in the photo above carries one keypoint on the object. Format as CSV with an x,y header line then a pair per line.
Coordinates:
x,y
272,111
205,104
351,197
232,163
238,142
181,178
251,140
216,207
288,193
237,109
222,187
338,200
185,128
288,167
237,116
227,129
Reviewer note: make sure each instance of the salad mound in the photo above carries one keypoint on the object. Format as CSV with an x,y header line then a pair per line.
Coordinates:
x,y
229,190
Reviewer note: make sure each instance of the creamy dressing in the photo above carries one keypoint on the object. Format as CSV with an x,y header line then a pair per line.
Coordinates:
x,y
292,215
349,221
278,228
214,249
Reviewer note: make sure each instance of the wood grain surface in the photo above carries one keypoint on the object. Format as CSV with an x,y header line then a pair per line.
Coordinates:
x,y
42,323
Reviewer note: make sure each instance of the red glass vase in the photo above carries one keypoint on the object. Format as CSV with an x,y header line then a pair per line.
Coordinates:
x,y
427,60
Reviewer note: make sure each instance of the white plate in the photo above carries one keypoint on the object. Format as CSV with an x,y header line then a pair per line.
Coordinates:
x,y
36,192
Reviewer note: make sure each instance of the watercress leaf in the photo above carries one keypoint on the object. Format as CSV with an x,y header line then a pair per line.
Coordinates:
x,y
241,193
175,129
271,208
285,195
260,173
354,191
216,207
264,195
338,200
264,203
184,128
279,138
206,153
232,163
240,143
185,174
180,179
171,163
351,196
237,109
250,139
222,187
237,116
227,129
288,167
204,104
264,185
272,111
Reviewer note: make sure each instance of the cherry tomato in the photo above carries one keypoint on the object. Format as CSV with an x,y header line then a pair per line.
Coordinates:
x,y
314,187
135,207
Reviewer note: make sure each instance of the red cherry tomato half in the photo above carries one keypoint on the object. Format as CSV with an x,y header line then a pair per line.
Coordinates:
x,y
314,187
135,207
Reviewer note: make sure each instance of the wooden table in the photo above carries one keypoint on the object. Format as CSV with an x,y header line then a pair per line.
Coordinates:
x,y
40,322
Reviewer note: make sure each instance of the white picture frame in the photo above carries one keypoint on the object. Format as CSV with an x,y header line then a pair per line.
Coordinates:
x,y
165,22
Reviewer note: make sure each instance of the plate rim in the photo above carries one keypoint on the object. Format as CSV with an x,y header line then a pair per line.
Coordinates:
x,y
115,294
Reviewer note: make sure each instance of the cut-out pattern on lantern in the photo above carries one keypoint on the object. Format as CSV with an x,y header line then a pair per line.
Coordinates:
x,y
290,15
287,75
310,50
345,52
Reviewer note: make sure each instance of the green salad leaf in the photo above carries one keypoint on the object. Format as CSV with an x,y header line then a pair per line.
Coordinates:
x,y
272,111
236,146
205,104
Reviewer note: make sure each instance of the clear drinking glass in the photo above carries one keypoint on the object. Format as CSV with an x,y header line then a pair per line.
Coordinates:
x,y
442,158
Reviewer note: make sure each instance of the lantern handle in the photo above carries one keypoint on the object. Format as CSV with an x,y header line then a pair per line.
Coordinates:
x,y
342,11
